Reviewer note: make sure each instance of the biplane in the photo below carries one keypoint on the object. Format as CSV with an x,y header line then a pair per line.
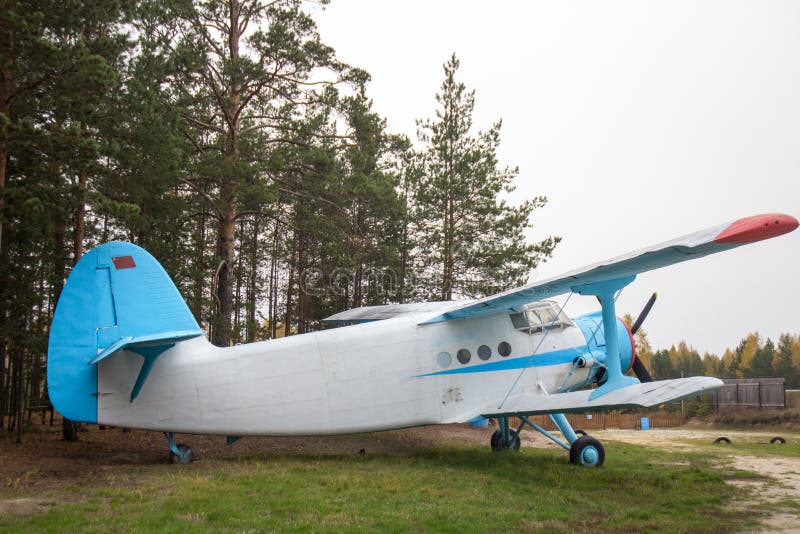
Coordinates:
x,y
126,351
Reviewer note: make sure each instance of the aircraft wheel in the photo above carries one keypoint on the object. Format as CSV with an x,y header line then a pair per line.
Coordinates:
x,y
498,445
186,455
777,439
580,433
587,451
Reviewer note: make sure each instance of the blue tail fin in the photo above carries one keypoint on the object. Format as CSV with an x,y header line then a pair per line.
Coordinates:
x,y
118,296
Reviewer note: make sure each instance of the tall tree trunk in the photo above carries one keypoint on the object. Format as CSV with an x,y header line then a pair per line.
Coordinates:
x,y
287,328
5,109
2,374
199,281
68,427
227,226
80,211
252,286
272,307
226,256
3,163
237,304
301,293
3,341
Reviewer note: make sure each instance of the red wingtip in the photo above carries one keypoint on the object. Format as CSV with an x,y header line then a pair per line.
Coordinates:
x,y
757,228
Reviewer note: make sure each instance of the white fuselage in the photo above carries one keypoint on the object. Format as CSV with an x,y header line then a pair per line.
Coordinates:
x,y
374,376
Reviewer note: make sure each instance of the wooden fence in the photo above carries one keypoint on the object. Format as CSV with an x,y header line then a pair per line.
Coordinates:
x,y
611,420
749,393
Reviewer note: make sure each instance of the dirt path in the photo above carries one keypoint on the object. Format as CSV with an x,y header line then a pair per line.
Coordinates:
x,y
781,474
783,487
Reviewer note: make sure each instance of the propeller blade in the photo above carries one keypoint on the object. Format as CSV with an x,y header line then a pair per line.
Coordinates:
x,y
643,315
641,371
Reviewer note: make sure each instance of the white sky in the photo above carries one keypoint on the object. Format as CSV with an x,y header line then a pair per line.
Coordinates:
x,y
640,121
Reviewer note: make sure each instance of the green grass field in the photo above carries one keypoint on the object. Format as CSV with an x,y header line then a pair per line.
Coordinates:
x,y
451,488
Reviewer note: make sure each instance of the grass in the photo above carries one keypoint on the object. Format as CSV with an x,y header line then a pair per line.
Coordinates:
x,y
447,489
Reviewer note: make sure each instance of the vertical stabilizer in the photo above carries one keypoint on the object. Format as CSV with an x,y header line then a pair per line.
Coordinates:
x,y
116,292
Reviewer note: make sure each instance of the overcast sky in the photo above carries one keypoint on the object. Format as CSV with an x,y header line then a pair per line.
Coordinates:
x,y
640,121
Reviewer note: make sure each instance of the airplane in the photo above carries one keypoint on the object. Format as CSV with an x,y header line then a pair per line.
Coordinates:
x,y
125,350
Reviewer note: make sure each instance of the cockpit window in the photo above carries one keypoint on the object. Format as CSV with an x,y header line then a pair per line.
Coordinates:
x,y
539,316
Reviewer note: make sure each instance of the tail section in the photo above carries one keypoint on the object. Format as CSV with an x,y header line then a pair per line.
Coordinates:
x,y
117,297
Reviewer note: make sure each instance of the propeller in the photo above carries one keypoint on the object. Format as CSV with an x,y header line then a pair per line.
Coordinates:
x,y
638,367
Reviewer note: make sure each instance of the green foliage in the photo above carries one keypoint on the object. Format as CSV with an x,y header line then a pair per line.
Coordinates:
x,y
752,358
233,144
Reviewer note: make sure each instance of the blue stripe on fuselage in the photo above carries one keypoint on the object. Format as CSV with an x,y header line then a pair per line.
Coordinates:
x,y
557,357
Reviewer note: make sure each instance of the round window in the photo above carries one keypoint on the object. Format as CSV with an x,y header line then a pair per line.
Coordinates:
x,y
444,359
484,352
504,349
463,355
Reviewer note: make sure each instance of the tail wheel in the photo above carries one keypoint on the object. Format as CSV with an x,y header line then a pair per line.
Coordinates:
x,y
498,443
587,451
185,455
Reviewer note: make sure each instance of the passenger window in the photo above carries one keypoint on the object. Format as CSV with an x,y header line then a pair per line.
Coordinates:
x,y
463,355
484,352
504,349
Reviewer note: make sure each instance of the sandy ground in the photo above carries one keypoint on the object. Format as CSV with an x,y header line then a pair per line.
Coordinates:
x,y
781,475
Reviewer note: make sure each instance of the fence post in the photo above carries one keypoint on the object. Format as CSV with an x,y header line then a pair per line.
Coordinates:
x,y
758,391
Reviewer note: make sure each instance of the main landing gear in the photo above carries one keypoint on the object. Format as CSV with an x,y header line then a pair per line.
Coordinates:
x,y
585,450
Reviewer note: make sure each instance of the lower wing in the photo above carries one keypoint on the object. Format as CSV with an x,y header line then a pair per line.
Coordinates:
x,y
644,395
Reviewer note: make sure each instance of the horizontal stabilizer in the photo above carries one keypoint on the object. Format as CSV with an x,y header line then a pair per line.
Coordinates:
x,y
644,395
162,338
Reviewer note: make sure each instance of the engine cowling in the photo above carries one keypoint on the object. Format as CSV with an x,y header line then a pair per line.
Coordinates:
x,y
591,325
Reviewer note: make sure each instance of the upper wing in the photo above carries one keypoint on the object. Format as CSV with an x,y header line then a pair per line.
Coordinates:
x,y
696,245
644,395
366,314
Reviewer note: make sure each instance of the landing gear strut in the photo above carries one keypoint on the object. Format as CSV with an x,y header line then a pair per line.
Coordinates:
x,y
179,454
584,450
505,439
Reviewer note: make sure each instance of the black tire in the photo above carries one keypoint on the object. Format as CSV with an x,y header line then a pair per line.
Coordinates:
x,y
777,439
587,451
581,433
186,456
498,445
722,439
497,437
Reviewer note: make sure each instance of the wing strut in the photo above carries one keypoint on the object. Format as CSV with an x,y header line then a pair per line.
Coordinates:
x,y
605,291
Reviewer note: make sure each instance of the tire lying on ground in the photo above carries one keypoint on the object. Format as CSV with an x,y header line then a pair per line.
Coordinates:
x,y
722,439
777,439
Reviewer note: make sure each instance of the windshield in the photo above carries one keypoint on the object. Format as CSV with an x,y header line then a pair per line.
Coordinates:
x,y
540,316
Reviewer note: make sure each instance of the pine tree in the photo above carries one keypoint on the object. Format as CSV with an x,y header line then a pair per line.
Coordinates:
x,y
661,366
783,362
761,363
241,76
473,239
